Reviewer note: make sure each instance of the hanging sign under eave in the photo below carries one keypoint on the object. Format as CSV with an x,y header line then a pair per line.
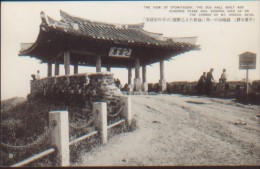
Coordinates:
x,y
120,52
247,61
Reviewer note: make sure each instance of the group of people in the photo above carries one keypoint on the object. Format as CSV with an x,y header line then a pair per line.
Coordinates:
x,y
37,76
206,80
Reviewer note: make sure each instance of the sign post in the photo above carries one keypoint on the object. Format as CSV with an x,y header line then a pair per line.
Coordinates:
x,y
247,61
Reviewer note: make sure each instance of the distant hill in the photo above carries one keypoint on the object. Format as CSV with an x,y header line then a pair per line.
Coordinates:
x,y
7,104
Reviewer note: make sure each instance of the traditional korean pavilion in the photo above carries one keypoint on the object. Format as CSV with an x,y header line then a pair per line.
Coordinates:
x,y
77,41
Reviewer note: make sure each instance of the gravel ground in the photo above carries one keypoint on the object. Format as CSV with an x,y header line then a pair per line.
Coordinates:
x,y
183,130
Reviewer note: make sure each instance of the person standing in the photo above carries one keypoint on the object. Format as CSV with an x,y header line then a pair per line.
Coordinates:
x,y
38,75
202,83
223,77
209,80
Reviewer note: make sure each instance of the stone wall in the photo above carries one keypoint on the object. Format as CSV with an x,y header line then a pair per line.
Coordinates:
x,y
230,89
79,90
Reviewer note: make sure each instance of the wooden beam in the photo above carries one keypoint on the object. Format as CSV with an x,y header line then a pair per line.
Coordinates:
x,y
83,52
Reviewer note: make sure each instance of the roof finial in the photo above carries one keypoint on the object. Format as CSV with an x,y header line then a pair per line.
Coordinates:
x,y
43,17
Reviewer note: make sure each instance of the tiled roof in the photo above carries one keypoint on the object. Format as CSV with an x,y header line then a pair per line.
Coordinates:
x,y
54,32
131,33
127,33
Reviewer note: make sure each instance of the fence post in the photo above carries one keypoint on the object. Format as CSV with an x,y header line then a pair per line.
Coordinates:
x,y
60,136
100,121
127,112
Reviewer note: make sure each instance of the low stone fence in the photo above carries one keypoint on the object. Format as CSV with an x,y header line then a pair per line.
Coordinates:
x,y
256,85
230,89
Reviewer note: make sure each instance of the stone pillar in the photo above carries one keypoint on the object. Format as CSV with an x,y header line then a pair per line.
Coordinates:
x,y
60,136
162,81
67,63
100,121
49,69
98,63
57,69
108,69
137,80
144,84
76,68
127,112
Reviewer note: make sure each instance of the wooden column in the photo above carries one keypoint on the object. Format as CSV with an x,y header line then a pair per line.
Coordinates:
x,y
57,69
162,81
137,81
108,69
49,69
144,84
67,63
129,75
137,68
98,63
130,86
162,69
76,68
144,73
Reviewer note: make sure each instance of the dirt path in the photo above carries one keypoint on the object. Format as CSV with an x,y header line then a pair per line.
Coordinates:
x,y
180,130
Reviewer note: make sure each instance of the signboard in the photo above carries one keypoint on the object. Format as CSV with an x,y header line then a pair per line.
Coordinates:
x,y
120,52
247,61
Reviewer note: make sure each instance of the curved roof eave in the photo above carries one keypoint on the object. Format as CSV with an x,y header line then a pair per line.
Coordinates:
x,y
129,36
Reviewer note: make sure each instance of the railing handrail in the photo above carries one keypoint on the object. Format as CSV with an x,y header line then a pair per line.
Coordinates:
x,y
100,124
83,137
51,150
116,123
33,158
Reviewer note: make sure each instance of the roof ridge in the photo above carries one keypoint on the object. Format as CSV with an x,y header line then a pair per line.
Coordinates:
x,y
70,18
53,22
190,40
156,36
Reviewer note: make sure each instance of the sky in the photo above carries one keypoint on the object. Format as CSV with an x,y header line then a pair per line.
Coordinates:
x,y
220,43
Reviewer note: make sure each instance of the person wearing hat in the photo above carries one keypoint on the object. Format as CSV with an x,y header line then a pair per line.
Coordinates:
x,y
209,79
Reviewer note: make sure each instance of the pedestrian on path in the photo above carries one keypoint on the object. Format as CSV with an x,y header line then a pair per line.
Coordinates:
x,y
209,80
202,84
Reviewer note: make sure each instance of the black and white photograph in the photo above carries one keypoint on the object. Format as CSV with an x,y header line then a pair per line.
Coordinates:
x,y
130,83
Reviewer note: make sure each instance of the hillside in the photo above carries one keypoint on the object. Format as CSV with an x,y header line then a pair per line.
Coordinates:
x,y
12,102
